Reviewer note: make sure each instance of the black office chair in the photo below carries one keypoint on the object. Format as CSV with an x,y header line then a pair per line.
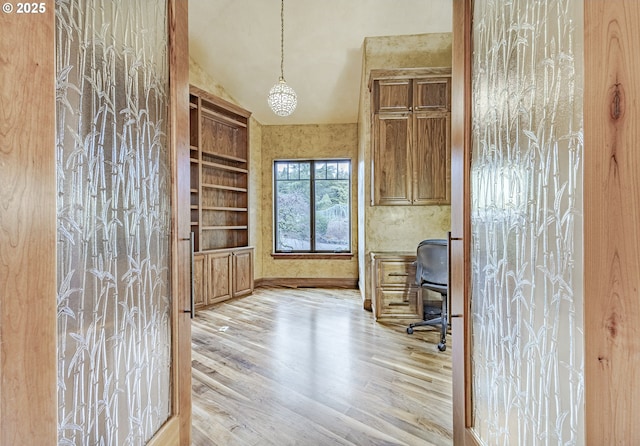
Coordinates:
x,y
432,274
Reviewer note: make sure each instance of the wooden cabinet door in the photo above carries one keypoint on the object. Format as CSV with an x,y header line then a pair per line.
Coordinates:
x,y
199,281
392,95
219,276
432,173
392,159
432,94
242,272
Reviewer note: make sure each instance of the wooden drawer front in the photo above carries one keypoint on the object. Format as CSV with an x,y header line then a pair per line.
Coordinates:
x,y
396,272
399,303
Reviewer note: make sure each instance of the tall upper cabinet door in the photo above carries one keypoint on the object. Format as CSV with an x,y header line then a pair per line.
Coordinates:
x,y
392,159
432,158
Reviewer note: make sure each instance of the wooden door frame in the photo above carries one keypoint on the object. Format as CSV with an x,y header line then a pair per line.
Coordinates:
x,y
177,430
28,330
28,229
460,243
611,214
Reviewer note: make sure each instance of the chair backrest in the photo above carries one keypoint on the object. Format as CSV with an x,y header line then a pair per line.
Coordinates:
x,y
431,263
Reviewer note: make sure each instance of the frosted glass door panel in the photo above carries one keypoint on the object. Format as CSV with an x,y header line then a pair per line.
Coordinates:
x,y
113,180
526,181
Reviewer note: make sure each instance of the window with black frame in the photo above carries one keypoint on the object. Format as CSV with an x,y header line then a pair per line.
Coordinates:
x,y
312,206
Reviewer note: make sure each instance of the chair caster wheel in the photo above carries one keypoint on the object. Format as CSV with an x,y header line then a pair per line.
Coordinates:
x,y
442,347
409,330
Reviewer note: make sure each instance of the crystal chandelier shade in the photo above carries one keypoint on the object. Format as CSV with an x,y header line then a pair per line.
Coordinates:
x,y
282,99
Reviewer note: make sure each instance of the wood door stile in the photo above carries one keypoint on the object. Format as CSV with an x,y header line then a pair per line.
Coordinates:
x,y
460,249
28,409
177,429
611,215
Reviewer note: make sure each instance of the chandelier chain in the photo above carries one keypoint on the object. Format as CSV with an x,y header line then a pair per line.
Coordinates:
x,y
282,39
282,98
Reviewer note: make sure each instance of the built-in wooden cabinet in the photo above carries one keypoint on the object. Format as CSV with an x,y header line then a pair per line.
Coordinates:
x,y
396,297
219,198
411,148
222,274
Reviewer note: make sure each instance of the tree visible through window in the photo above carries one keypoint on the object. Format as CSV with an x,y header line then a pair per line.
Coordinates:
x,y
312,206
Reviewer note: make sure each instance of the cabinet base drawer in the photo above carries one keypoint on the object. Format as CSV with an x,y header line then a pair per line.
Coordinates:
x,y
397,304
396,272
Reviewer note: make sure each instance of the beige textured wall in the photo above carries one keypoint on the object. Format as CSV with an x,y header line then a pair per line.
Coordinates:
x,y
199,78
410,224
305,142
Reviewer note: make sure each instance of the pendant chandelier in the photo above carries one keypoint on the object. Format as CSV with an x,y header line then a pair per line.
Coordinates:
x,y
282,98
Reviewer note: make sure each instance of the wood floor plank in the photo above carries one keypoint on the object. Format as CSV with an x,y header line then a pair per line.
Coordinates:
x,y
311,367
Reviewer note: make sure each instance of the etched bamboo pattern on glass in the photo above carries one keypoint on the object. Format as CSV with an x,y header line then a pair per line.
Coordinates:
x,y
114,333
526,181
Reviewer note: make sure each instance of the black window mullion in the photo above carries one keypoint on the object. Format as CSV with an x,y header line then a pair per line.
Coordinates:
x,y
312,201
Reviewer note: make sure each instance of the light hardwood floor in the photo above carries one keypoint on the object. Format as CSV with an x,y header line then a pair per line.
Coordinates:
x,y
311,367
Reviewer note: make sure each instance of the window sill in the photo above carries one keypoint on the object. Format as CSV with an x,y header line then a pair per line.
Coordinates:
x,y
312,255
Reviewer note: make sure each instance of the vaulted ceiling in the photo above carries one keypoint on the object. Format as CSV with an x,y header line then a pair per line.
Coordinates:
x,y
237,42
